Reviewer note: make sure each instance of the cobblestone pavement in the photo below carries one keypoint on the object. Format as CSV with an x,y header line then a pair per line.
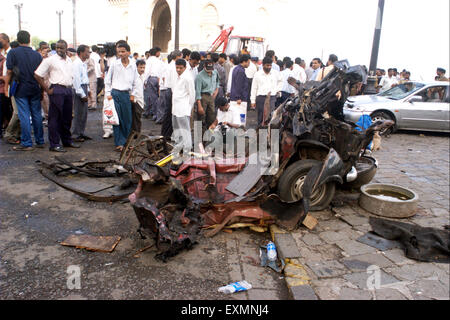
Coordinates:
x,y
337,264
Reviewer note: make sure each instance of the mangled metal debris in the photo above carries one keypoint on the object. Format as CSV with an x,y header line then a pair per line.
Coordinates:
x,y
206,193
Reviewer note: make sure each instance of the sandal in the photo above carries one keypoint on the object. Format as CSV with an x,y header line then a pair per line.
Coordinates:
x,y
119,148
22,148
12,141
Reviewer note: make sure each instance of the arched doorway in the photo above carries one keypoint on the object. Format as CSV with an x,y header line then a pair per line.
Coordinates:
x,y
161,25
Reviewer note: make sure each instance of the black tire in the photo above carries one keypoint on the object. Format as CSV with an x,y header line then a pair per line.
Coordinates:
x,y
289,184
366,169
381,115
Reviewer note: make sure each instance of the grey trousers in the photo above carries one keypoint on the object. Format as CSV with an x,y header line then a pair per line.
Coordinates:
x,y
260,107
13,129
182,137
80,111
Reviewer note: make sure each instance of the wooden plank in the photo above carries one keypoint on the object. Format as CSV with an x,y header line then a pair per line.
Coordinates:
x,y
92,243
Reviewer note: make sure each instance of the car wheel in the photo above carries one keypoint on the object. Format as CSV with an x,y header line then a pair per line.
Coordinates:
x,y
381,115
291,183
366,169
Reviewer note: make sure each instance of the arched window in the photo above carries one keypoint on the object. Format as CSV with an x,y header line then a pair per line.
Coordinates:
x,y
209,21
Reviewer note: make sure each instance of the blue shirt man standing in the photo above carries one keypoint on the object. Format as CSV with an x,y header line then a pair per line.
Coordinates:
x,y
28,93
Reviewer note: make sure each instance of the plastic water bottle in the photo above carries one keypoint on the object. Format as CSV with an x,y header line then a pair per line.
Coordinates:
x,y
235,287
271,251
243,118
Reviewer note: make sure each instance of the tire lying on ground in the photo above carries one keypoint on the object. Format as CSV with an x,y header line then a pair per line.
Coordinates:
x,y
366,169
291,182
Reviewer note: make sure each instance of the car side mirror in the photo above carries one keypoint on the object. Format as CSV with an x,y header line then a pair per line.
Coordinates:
x,y
416,99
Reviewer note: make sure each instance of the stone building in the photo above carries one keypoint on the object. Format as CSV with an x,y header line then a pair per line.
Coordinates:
x,y
149,23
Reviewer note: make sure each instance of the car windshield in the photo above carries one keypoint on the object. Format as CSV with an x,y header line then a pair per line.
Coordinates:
x,y
256,49
402,90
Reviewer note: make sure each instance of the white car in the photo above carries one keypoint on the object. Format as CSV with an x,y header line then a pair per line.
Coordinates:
x,y
412,105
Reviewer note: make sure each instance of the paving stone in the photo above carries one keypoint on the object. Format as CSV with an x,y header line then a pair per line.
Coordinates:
x,y
286,246
363,228
333,224
258,277
327,269
311,239
438,222
361,262
417,271
235,272
443,266
440,212
329,289
309,255
332,236
329,252
389,294
304,292
378,242
354,294
322,215
354,248
360,279
263,294
429,289
355,220
398,256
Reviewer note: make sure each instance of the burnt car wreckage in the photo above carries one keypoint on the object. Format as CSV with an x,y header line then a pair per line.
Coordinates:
x,y
177,205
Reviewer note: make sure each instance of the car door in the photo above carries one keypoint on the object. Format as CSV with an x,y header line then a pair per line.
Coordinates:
x,y
427,109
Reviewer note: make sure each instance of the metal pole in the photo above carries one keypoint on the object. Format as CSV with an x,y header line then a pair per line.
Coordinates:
x,y
59,13
177,25
371,80
19,7
74,24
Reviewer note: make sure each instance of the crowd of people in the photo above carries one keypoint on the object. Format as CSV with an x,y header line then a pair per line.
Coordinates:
x,y
55,86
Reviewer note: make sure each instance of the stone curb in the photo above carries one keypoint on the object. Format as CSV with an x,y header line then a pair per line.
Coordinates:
x,y
295,274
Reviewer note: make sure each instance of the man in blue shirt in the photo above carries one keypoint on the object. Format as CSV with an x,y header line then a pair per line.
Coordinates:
x,y
28,93
239,86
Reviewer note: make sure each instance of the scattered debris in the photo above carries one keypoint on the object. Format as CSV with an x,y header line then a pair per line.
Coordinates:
x,y
235,287
92,243
137,254
310,222
266,262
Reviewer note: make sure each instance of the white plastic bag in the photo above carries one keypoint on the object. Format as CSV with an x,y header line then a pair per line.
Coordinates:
x,y
109,113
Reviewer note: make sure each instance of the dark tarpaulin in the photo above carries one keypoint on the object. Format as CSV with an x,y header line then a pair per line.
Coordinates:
x,y
420,243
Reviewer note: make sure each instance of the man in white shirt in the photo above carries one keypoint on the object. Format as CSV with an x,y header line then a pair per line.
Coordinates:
x,y
183,99
389,81
227,121
234,62
192,65
154,69
250,73
94,73
81,93
266,82
299,71
59,69
170,77
287,90
120,83
138,93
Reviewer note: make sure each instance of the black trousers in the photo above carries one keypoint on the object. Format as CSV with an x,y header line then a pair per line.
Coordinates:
x,y
166,126
136,115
